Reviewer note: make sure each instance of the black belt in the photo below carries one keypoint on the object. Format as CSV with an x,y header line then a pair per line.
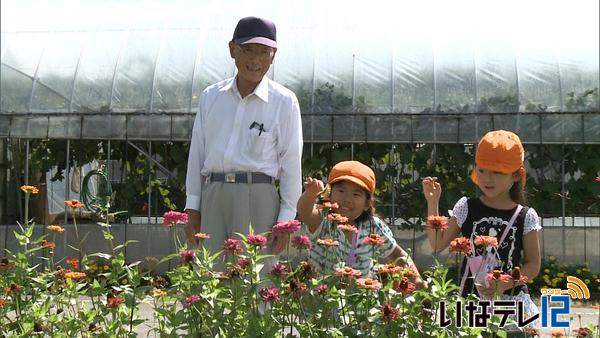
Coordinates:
x,y
246,177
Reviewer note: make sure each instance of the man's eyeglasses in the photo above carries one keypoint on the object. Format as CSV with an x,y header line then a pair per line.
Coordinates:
x,y
261,53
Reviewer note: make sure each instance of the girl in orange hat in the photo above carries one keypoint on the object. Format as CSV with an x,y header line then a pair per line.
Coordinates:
x,y
497,214
347,236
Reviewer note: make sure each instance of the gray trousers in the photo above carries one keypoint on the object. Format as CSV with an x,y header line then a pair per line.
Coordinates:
x,y
229,208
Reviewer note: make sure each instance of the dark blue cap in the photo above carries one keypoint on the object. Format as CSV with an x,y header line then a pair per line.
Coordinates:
x,y
255,30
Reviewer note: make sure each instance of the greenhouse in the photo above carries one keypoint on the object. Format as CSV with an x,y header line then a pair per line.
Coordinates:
x,y
98,101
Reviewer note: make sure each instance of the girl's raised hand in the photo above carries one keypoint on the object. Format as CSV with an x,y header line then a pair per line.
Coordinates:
x,y
432,189
313,186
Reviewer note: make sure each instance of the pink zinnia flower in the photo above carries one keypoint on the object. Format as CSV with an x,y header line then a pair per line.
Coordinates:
x,y
347,271
301,242
437,222
279,270
462,245
498,275
321,289
187,255
270,294
191,300
597,179
170,218
233,246
257,240
243,262
286,227
368,283
583,332
486,241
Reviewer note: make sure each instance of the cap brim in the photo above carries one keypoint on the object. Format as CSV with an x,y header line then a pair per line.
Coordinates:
x,y
258,39
353,180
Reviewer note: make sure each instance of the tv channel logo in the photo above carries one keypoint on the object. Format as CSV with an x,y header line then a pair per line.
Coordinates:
x,y
555,302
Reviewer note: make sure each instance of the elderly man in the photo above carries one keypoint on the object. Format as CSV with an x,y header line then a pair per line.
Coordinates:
x,y
247,136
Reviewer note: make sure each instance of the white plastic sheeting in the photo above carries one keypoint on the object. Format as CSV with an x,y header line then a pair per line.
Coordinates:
x,y
431,71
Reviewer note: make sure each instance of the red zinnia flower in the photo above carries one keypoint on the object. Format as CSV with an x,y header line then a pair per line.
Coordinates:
x,y
437,222
486,241
46,244
74,263
583,332
270,294
171,218
301,242
388,312
286,227
404,286
233,246
257,240
191,300
296,287
461,245
373,239
113,301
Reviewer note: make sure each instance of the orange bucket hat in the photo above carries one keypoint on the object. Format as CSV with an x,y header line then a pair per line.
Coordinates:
x,y
500,151
354,172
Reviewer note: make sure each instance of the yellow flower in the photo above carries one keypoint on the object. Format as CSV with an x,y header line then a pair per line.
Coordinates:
x,y
124,281
579,271
29,189
105,268
552,258
587,281
547,270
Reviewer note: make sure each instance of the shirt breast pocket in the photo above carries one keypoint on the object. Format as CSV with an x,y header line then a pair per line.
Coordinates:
x,y
258,143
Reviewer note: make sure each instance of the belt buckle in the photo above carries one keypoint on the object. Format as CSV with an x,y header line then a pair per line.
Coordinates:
x,y
230,177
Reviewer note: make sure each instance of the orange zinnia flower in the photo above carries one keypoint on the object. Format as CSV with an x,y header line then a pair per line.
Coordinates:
x,y
56,228
157,293
5,264
404,286
46,244
337,218
113,301
373,239
75,204
327,242
347,228
326,205
462,245
75,275
201,236
486,241
347,271
2,302
29,189
368,283
437,222
390,268
557,334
